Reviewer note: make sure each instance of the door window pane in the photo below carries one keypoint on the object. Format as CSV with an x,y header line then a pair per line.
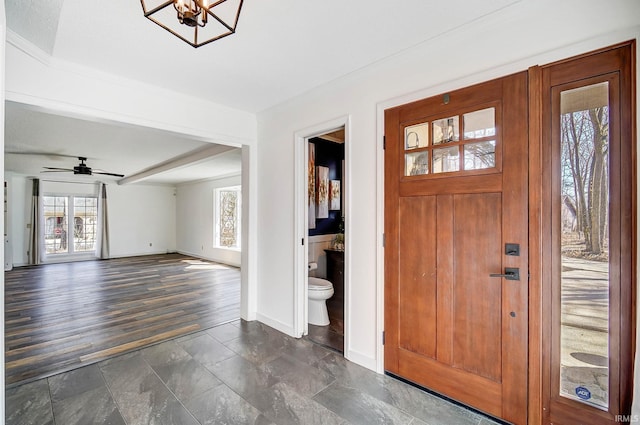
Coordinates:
x,y
480,124
55,210
584,175
446,130
480,155
446,159
416,164
416,136
85,219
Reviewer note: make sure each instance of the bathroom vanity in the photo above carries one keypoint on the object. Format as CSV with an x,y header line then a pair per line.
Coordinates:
x,y
335,274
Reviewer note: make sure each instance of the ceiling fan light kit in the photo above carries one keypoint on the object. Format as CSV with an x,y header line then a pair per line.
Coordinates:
x,y
196,22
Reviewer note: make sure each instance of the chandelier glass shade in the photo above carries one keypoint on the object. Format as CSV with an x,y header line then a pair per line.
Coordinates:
x,y
197,22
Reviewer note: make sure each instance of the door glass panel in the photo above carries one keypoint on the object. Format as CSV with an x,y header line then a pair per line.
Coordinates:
x,y
85,211
441,151
56,210
480,155
446,159
584,220
416,163
416,136
446,130
70,224
480,124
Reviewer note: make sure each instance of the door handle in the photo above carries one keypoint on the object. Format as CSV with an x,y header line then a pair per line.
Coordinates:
x,y
510,273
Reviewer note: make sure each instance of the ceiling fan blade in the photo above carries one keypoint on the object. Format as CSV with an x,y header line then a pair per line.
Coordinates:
x,y
81,169
50,155
109,174
57,169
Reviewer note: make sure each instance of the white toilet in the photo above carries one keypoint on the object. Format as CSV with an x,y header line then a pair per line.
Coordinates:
x,y
320,290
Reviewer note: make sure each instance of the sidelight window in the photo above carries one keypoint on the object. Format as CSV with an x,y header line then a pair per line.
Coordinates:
x,y
584,236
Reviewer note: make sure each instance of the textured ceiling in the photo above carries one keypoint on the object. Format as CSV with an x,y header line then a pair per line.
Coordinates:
x,y
35,20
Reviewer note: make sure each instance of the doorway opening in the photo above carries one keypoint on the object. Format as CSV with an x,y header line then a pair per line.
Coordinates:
x,y
326,241
322,228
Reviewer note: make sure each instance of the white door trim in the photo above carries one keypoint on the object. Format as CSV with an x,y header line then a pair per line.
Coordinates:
x,y
301,254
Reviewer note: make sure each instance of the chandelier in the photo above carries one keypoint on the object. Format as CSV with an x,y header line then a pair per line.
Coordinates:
x,y
197,22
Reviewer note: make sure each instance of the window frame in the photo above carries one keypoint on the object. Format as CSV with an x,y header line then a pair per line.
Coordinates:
x,y
70,226
216,217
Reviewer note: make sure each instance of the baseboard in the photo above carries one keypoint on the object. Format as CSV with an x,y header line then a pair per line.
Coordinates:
x,y
276,324
361,359
214,260
141,254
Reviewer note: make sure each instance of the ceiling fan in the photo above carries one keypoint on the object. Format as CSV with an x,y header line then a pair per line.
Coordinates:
x,y
81,168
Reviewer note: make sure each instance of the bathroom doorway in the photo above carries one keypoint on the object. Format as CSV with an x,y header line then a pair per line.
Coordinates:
x,y
326,234
321,223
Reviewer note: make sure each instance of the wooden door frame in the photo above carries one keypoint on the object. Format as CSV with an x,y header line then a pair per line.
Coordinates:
x,y
535,360
539,247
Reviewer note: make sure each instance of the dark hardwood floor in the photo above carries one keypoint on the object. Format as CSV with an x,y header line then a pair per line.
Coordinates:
x,y
62,316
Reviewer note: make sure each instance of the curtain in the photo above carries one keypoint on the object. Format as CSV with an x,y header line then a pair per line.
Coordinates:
x,y
102,250
34,234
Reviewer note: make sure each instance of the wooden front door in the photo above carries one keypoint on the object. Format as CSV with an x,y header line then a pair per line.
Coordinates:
x,y
455,221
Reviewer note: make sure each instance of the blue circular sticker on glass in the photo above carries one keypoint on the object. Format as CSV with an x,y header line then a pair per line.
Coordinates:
x,y
583,393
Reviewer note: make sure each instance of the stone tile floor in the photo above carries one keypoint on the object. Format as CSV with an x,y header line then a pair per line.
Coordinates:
x,y
237,373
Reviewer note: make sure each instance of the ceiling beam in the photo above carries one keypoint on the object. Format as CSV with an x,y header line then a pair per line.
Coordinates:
x,y
190,158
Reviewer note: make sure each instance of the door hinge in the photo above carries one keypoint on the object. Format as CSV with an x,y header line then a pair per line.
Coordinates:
x,y
302,241
384,239
383,338
384,142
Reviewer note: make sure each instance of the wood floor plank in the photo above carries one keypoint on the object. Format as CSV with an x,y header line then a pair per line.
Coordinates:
x,y
135,345
61,316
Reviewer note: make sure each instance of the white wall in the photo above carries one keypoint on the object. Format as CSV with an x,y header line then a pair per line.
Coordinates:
x,y
530,32
142,219
194,218
139,215
3,29
19,191
316,246
69,89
